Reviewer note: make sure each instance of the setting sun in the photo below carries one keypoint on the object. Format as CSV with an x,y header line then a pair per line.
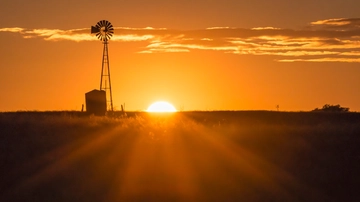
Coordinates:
x,y
161,106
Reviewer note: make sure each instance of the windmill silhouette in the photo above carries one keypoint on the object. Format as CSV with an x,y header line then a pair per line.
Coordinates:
x,y
104,31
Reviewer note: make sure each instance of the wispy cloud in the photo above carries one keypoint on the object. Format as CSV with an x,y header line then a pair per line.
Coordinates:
x,y
13,29
329,40
339,23
322,60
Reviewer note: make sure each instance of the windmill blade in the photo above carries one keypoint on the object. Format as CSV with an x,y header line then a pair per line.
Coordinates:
x,y
98,25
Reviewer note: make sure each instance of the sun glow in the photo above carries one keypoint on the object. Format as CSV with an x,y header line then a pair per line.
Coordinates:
x,y
161,106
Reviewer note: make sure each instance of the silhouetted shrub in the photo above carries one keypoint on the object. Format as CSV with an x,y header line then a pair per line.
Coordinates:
x,y
332,108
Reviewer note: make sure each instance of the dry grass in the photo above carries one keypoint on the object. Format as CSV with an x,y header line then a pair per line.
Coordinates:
x,y
187,156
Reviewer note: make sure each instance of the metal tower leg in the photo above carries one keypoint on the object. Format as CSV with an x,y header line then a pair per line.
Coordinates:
x,y
105,82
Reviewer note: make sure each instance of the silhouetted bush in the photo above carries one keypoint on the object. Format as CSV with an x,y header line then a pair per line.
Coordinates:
x,y
332,108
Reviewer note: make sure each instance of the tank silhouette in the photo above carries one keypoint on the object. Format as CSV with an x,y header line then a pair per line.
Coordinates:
x,y
96,102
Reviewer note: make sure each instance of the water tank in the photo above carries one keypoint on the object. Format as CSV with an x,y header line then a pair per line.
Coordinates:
x,y
96,102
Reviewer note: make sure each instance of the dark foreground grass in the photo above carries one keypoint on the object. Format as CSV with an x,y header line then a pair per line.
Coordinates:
x,y
187,156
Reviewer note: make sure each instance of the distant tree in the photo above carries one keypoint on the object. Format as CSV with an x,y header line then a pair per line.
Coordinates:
x,y
332,108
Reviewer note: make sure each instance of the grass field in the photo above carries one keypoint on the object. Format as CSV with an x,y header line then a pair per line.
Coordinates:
x,y
185,156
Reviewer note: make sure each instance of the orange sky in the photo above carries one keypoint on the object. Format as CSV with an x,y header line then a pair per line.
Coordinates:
x,y
198,55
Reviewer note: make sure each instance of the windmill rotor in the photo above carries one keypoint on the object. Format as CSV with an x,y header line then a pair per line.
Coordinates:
x,y
103,30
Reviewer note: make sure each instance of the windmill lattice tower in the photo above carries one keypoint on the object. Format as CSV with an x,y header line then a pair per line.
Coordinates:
x,y
104,31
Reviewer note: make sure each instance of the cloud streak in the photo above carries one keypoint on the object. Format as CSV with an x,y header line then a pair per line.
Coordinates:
x,y
329,40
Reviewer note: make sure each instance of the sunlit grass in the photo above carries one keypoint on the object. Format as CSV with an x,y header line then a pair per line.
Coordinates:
x,y
183,156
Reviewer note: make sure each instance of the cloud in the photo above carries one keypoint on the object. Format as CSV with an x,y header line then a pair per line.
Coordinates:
x,y
322,60
339,24
13,29
329,40
78,35
264,28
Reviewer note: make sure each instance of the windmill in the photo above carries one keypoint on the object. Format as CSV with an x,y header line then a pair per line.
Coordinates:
x,y
104,31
